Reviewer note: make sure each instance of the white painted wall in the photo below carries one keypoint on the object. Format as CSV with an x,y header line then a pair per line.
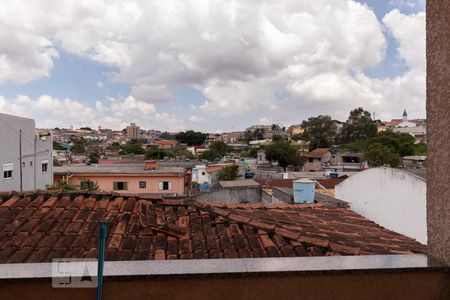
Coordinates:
x,y
393,198
32,175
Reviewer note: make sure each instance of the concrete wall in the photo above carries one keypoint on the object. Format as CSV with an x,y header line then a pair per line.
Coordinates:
x,y
9,153
232,195
438,111
392,198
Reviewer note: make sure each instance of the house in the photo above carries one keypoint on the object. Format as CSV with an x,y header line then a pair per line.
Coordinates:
x,y
166,144
317,159
393,198
147,178
353,161
25,159
415,161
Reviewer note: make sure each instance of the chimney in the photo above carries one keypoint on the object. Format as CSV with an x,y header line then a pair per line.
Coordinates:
x,y
304,191
150,165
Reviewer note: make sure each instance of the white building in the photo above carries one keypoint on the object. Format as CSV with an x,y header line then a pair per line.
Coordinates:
x,y
393,198
26,160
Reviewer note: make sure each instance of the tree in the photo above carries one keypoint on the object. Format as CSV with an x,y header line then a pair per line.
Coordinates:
x,y
61,185
359,126
228,173
191,138
284,153
259,133
155,153
89,185
166,136
56,163
277,138
319,131
94,157
219,147
78,146
86,128
132,148
378,155
400,143
210,155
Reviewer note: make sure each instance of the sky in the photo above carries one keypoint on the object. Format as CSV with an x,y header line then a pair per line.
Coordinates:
x,y
210,65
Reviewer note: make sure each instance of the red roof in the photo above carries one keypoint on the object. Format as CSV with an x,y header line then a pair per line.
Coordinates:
x,y
37,227
270,183
165,142
319,152
329,183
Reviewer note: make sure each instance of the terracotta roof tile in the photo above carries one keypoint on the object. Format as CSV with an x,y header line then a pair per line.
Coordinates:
x,y
41,226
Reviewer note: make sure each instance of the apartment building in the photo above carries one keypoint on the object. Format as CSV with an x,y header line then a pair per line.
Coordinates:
x,y
133,132
25,158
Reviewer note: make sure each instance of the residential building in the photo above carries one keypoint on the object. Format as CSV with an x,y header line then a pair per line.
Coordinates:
x,y
414,161
353,161
133,132
166,144
25,160
393,198
146,178
317,159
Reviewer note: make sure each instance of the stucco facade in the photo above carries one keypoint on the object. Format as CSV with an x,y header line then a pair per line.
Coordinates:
x,y
17,135
438,112
393,198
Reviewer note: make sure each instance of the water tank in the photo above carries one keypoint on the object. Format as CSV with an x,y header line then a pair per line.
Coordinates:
x,y
304,191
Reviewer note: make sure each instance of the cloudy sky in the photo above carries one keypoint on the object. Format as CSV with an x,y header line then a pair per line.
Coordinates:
x,y
212,65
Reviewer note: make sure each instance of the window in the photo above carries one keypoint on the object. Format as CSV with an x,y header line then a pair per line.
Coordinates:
x,y
8,170
44,166
120,186
31,163
165,185
142,184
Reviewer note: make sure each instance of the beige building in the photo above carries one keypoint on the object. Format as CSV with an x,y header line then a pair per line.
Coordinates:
x,y
133,132
146,178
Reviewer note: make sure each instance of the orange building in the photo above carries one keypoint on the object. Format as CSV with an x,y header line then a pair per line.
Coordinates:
x,y
166,144
146,178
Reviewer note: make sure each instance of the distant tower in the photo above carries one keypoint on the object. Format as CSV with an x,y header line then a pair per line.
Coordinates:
x,y
405,116
133,132
374,116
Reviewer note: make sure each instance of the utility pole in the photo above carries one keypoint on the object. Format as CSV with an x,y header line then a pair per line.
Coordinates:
x,y
20,160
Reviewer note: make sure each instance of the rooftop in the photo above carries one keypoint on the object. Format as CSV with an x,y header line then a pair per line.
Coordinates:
x,y
37,227
319,152
116,169
239,183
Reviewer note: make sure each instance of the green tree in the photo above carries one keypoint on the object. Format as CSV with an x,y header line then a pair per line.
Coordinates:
x,y
319,131
228,173
400,143
94,157
61,185
259,133
89,185
56,163
219,147
78,146
155,153
166,136
191,138
132,148
378,155
284,153
420,149
359,126
277,138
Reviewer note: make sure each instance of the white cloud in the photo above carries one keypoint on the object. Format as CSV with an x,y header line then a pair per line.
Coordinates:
x,y
113,113
278,60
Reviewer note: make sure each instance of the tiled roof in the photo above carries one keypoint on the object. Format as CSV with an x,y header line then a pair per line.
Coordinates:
x,y
329,183
165,142
41,226
271,183
319,152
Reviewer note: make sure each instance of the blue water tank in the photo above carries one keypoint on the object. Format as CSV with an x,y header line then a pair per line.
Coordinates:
x,y
304,191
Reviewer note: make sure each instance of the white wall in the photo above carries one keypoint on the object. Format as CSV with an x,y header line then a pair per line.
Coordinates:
x,y
9,153
393,198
